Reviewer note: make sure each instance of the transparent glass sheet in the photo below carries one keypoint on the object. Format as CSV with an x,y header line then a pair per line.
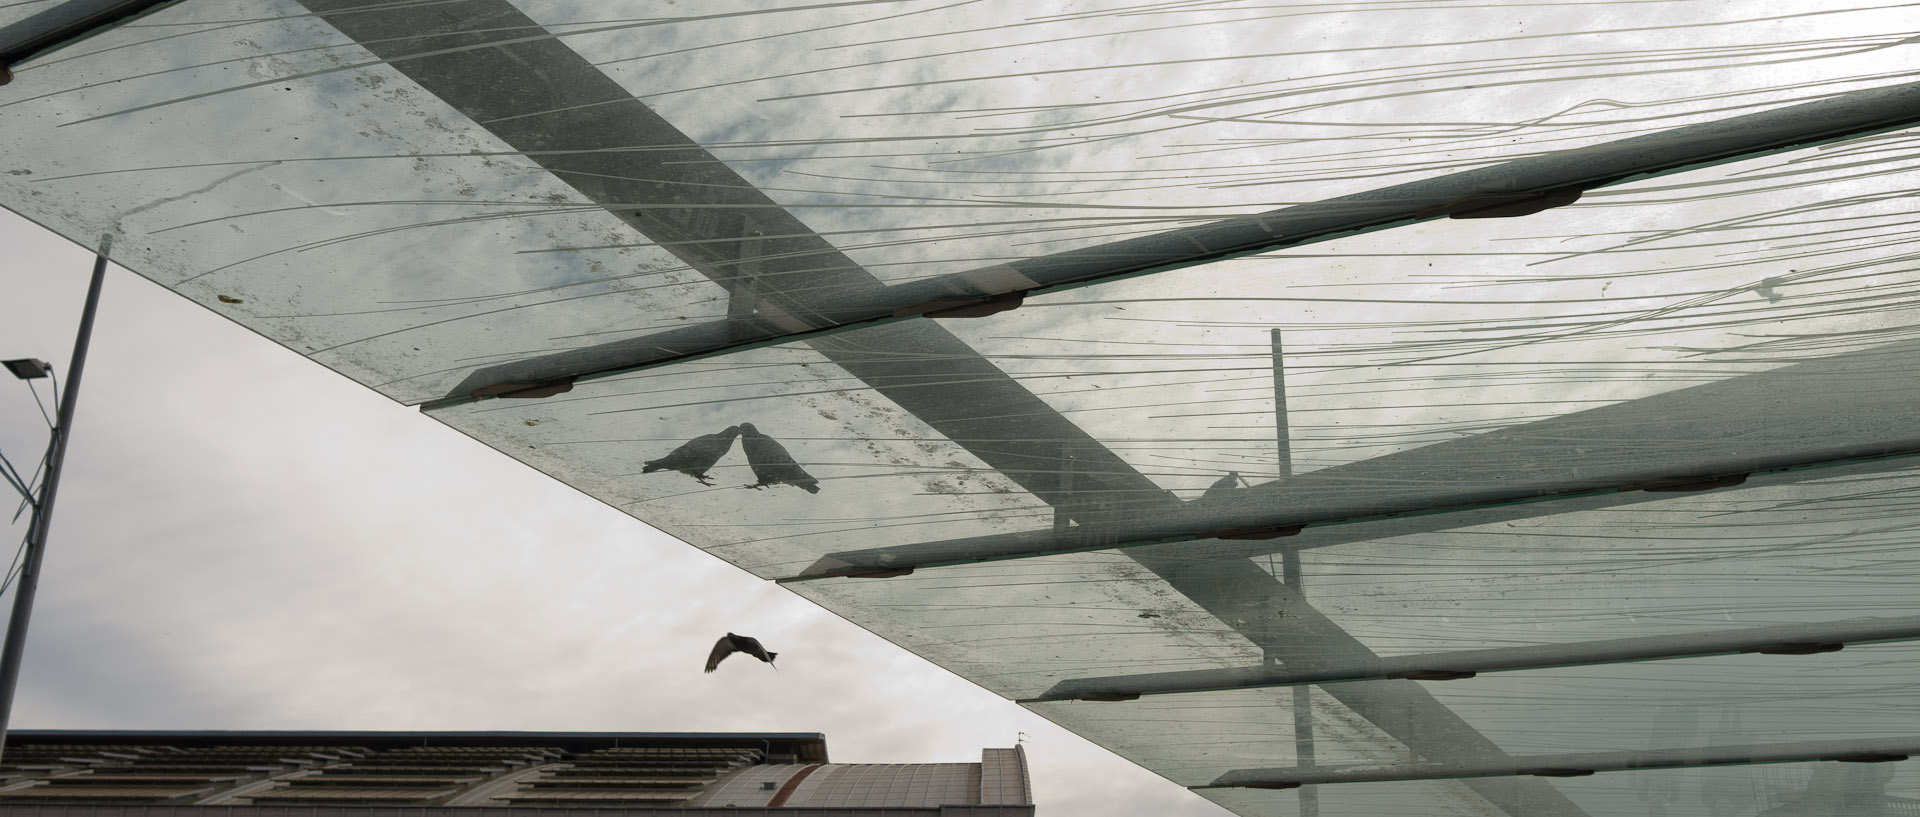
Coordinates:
x,y
1414,382
14,11
1860,693
418,195
1449,329
406,227
1825,550
1773,790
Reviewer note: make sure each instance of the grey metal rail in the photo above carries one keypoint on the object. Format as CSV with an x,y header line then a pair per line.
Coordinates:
x,y
1743,430
1514,188
1201,519
1784,639
1878,750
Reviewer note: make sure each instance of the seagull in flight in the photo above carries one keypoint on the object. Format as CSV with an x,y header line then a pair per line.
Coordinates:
x,y
730,644
695,456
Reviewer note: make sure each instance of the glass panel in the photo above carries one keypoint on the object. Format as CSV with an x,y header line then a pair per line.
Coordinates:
x,y
1821,551
13,11
413,194
1772,790
1724,701
352,208
1112,412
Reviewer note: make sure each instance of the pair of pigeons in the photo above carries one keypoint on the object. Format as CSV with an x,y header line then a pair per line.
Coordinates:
x,y
771,463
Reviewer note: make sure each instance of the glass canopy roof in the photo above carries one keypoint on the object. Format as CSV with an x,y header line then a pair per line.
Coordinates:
x,y
1341,408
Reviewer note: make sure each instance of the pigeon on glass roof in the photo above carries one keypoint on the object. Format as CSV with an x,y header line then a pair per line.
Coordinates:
x,y
771,463
695,456
1223,486
730,644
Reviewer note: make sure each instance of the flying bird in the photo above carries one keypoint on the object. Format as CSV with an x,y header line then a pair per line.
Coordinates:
x,y
695,456
771,463
730,644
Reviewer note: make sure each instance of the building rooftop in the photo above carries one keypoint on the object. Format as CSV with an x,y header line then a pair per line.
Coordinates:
x,y
512,770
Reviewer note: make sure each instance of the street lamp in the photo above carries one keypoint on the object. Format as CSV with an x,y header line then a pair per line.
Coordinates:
x,y
28,368
31,369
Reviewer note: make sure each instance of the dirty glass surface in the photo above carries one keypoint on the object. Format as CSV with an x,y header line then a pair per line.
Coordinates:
x,y
1412,382
1678,405
1685,704
408,222
15,11
1777,789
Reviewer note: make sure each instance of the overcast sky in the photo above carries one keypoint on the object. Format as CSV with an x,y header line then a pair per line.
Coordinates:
x,y
246,540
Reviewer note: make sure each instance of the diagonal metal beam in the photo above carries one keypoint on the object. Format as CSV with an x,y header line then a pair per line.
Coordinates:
x,y
1744,430
1513,188
529,93
1874,750
1781,639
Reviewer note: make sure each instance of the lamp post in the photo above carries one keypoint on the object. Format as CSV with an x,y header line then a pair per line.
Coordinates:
x,y
36,546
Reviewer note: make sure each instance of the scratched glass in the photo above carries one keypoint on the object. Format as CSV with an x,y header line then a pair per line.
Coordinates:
x,y
1740,791
1677,406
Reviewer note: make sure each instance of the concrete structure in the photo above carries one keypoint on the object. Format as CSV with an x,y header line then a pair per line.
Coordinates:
x,y
436,774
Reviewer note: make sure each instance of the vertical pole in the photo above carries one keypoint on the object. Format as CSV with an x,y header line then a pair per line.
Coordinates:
x,y
1302,699
1292,574
43,511
1281,433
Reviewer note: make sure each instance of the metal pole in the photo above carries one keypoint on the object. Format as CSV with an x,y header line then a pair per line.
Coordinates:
x,y
1291,574
43,511
1282,433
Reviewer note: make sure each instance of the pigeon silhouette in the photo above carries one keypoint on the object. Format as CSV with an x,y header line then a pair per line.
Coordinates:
x,y
1223,486
730,644
771,463
695,456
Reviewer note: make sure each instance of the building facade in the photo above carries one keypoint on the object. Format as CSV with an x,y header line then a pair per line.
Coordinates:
x,y
444,774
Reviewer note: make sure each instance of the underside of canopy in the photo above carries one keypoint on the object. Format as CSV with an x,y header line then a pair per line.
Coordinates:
x,y
1353,408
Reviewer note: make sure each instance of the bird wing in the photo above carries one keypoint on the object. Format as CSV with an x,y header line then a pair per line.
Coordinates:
x,y
697,454
751,646
715,445
771,463
678,457
765,454
721,649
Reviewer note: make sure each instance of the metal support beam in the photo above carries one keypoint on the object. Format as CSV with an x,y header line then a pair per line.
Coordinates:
x,y
42,520
1517,187
1303,749
1877,750
1282,425
1293,574
1782,639
1250,600
1742,430
1201,519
